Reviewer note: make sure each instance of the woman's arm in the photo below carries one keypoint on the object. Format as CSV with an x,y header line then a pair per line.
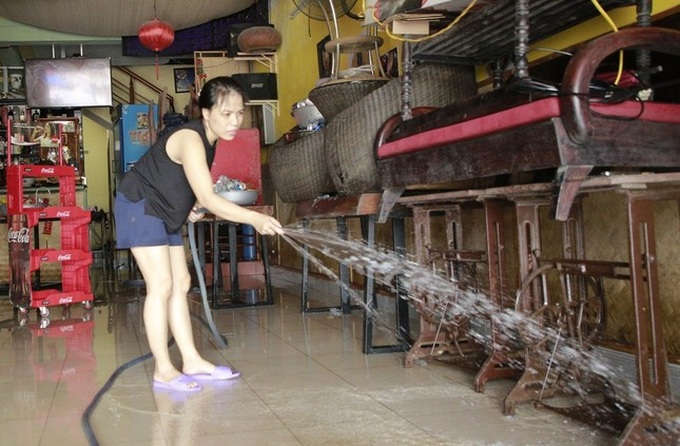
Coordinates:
x,y
186,148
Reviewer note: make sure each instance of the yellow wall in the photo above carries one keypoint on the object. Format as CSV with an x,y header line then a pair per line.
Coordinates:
x,y
96,144
297,57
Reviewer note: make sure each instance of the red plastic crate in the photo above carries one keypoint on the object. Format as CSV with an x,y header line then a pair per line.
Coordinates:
x,y
74,254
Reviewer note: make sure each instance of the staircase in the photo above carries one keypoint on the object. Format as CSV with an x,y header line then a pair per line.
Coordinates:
x,y
130,88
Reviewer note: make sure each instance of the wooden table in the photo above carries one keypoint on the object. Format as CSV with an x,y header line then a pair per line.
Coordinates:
x,y
214,224
365,207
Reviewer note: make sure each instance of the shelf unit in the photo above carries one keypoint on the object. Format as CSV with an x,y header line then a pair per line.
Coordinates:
x,y
65,136
73,254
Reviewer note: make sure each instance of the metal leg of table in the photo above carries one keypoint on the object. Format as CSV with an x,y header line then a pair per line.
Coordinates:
x,y
218,281
345,302
401,306
269,295
233,262
304,291
217,269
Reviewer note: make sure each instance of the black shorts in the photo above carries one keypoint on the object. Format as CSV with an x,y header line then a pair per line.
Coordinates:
x,y
135,228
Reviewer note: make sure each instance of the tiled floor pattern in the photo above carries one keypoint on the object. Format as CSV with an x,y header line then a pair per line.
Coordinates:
x,y
305,382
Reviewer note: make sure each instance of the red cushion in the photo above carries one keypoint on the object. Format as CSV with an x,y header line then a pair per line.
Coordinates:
x,y
522,115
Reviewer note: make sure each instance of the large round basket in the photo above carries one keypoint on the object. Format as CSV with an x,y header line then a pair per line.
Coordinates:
x,y
350,136
335,96
259,39
298,169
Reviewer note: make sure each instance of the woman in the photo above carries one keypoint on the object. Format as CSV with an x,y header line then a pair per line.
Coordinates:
x,y
166,187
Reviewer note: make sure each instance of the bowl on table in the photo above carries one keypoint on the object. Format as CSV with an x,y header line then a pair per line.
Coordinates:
x,y
240,197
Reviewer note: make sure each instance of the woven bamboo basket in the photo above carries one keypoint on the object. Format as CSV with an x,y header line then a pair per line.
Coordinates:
x,y
259,39
349,138
335,96
298,169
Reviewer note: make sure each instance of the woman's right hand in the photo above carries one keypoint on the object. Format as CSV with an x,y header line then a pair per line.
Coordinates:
x,y
266,225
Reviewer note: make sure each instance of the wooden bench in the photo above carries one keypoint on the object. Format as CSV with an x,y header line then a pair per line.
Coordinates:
x,y
567,132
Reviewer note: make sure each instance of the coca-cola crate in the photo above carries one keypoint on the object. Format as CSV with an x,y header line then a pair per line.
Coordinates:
x,y
74,254
63,328
75,276
52,297
39,256
75,234
71,216
15,187
46,171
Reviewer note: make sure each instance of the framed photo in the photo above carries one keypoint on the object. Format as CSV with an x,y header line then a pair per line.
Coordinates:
x,y
184,77
324,58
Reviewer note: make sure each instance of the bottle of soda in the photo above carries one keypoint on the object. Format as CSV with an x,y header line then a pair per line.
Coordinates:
x,y
18,238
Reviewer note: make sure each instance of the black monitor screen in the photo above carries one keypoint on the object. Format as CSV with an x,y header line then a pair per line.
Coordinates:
x,y
69,82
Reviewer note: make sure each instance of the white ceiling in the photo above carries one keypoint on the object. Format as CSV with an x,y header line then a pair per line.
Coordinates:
x,y
108,20
116,18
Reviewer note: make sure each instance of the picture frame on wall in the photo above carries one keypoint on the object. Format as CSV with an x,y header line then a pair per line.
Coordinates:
x,y
184,78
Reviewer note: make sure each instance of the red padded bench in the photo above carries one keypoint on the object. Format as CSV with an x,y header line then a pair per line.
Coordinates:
x,y
568,132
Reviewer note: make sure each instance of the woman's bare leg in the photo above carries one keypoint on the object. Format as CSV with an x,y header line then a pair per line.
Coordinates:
x,y
167,280
155,266
179,317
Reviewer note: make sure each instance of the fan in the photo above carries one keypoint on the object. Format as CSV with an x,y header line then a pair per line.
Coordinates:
x,y
324,9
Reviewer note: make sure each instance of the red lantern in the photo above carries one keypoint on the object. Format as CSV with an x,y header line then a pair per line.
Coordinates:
x,y
156,35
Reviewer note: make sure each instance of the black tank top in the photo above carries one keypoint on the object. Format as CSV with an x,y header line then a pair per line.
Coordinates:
x,y
162,182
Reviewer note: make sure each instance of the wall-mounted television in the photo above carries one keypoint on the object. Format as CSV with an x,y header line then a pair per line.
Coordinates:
x,y
75,82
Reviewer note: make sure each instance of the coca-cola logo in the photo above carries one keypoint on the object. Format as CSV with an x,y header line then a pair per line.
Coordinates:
x,y
67,328
66,300
18,236
48,170
64,214
62,257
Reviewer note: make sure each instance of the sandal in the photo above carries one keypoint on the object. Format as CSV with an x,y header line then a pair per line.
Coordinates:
x,y
182,383
221,373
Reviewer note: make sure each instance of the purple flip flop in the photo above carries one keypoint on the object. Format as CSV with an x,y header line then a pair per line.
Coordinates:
x,y
221,373
182,383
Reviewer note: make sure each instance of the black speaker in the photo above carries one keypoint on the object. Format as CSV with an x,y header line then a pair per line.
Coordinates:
x,y
258,86
232,36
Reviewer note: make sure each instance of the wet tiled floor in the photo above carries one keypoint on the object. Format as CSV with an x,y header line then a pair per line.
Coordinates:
x,y
305,381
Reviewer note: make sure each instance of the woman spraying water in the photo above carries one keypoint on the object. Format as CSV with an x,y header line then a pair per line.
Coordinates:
x,y
167,186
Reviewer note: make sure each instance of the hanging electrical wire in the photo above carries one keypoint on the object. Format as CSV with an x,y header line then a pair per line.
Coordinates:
x,y
453,23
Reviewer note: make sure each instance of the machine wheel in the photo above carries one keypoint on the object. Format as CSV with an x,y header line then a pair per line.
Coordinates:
x,y
556,302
